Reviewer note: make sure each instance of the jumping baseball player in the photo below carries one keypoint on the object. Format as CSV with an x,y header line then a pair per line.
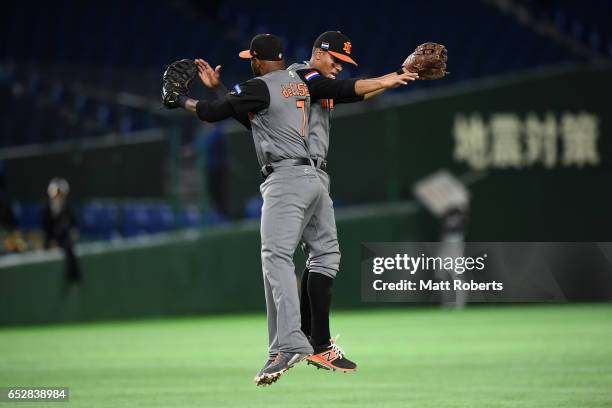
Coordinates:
x,y
277,104
330,50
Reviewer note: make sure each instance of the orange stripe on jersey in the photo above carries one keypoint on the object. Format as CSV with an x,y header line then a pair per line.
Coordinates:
x,y
301,105
327,103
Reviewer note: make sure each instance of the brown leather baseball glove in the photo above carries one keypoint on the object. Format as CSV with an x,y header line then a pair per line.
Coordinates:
x,y
428,60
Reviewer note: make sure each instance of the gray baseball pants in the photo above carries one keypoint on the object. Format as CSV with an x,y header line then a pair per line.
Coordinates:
x,y
296,207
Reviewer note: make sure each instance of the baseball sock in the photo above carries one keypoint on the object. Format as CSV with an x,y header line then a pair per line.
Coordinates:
x,y
319,290
305,303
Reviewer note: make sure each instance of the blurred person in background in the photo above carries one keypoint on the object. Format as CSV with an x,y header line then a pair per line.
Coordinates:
x,y
60,226
453,225
12,240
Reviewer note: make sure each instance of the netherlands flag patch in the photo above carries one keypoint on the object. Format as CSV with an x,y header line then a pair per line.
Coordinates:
x,y
311,75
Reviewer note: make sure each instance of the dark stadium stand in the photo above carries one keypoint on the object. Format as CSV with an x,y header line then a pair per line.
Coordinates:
x,y
40,70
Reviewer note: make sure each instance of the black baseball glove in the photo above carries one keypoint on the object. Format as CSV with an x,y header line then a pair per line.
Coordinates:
x,y
177,81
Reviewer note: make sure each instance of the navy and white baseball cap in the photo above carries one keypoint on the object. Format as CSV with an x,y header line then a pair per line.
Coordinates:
x,y
337,44
266,47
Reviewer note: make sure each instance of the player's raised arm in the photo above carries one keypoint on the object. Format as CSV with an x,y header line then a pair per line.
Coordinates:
x,y
321,87
177,81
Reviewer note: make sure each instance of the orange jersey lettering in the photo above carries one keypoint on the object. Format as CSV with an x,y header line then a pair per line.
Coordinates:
x,y
294,89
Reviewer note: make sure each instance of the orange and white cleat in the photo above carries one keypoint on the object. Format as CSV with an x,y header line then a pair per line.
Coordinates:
x,y
331,357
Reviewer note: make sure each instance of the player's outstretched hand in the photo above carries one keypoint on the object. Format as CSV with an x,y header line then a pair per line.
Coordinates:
x,y
211,78
395,81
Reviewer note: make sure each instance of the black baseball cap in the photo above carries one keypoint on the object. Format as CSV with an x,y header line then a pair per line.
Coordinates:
x,y
337,44
266,47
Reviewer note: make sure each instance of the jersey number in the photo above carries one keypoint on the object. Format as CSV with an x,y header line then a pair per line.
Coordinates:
x,y
301,105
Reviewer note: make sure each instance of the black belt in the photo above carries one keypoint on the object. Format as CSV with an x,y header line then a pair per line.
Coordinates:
x,y
318,163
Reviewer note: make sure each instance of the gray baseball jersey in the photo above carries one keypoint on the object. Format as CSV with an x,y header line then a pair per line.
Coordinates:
x,y
279,131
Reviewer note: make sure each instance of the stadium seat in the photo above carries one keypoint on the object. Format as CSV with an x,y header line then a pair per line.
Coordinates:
x,y
160,218
134,220
28,215
99,220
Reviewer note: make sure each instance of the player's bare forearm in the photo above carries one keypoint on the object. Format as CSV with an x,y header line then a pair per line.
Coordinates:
x,y
365,86
374,94
393,80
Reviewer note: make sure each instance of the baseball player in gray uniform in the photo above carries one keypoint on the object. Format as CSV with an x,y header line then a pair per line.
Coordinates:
x,y
277,106
320,240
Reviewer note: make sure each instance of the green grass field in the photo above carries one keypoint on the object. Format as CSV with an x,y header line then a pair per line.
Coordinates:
x,y
512,356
